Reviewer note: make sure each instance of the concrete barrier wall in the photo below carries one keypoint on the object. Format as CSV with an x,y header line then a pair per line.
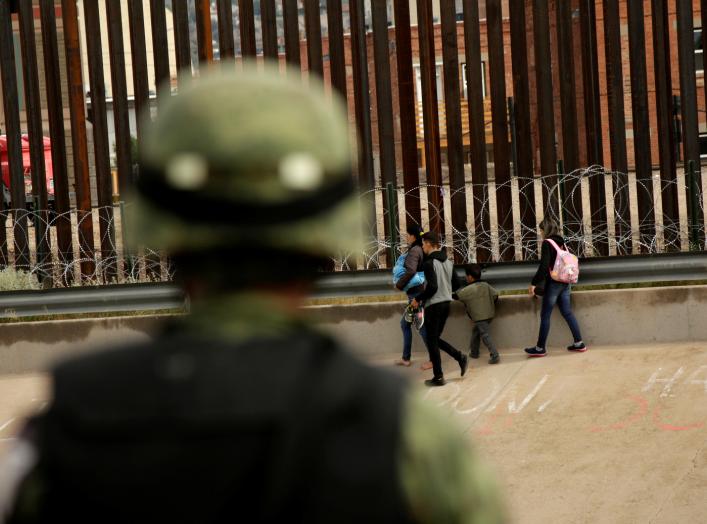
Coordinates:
x,y
612,317
28,347
629,316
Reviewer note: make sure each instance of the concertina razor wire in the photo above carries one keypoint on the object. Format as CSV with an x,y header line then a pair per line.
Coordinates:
x,y
616,223
101,258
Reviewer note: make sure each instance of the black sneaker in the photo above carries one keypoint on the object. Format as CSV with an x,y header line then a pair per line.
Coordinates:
x,y
463,364
581,348
437,381
495,359
535,352
474,354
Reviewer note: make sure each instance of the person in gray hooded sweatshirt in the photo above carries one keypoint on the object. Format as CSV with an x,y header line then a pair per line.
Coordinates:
x,y
439,276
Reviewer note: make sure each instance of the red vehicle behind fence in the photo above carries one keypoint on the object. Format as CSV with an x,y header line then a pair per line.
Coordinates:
x,y
26,167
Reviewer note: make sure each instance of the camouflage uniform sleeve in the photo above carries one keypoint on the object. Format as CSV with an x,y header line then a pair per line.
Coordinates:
x,y
442,479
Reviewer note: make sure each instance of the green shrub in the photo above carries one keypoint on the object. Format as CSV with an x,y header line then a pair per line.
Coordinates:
x,y
12,280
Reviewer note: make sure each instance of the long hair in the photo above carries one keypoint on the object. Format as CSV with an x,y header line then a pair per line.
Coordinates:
x,y
550,227
416,231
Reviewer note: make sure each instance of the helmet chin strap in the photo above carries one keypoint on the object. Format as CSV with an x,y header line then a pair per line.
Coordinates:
x,y
203,208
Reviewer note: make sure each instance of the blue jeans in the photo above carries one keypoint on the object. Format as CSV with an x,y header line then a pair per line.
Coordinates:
x,y
556,293
406,327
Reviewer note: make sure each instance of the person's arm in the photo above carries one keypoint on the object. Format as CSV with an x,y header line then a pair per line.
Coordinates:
x,y
412,262
442,479
400,284
494,293
430,282
463,293
544,267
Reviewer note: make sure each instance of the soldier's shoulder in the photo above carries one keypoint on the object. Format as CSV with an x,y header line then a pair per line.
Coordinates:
x,y
108,357
375,381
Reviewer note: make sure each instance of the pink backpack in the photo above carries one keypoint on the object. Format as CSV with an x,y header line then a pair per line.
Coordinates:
x,y
566,268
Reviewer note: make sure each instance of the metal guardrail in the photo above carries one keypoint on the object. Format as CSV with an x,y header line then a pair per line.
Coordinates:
x,y
84,300
503,276
517,275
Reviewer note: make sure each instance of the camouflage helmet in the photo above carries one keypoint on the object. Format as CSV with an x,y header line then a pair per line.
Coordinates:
x,y
248,158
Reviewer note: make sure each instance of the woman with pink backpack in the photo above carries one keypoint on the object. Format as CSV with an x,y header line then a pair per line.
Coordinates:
x,y
558,270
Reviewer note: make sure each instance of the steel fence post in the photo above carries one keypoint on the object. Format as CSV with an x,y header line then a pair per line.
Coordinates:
x,y
563,210
392,205
693,206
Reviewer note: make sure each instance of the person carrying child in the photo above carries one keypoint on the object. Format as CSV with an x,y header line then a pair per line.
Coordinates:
x,y
440,283
479,299
409,277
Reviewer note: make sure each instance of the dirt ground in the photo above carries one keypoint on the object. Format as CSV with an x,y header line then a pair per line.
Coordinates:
x,y
614,435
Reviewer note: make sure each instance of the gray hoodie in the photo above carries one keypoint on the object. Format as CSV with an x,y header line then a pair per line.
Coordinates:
x,y
439,277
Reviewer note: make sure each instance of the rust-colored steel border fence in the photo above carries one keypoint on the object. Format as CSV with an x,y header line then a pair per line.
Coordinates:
x,y
474,118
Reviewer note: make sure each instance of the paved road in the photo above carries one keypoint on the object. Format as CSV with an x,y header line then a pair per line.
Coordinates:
x,y
614,435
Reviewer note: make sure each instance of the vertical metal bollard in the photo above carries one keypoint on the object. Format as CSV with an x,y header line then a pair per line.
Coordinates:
x,y
563,195
694,206
392,201
128,258
514,135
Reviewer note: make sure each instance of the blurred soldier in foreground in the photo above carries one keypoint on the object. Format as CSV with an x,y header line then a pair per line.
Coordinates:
x,y
241,410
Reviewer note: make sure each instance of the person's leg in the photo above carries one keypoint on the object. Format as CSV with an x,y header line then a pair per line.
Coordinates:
x,y
423,334
451,350
446,346
432,323
552,293
406,328
475,342
485,332
566,309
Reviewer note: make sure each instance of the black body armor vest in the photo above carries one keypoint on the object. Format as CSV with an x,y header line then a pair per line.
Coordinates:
x,y
190,429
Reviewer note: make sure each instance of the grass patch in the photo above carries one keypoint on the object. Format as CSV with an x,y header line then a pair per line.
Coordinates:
x,y
623,285
12,279
347,301
637,285
79,316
